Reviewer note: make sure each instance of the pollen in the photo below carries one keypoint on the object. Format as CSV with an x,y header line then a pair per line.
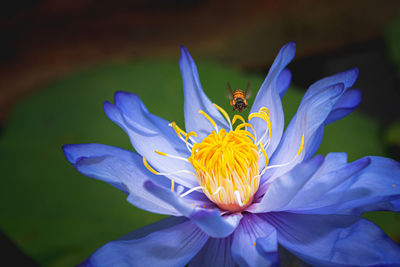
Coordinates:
x,y
226,165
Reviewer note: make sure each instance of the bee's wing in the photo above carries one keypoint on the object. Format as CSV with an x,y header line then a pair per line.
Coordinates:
x,y
229,91
248,92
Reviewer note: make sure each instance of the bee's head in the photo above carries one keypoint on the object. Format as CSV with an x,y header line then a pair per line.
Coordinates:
x,y
240,104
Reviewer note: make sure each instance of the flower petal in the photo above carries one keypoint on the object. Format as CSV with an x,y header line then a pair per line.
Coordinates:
x,y
266,247
348,78
283,82
216,252
208,220
326,179
254,243
269,96
308,121
171,242
122,169
332,240
282,190
148,133
346,104
196,99
376,187
325,101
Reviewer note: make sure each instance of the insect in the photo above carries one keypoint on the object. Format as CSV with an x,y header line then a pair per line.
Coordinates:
x,y
238,97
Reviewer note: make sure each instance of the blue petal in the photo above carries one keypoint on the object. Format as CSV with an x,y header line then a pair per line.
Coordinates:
x,y
148,133
196,99
282,190
325,101
122,169
170,242
283,82
269,96
346,104
348,78
325,180
309,120
254,243
266,247
209,220
395,204
332,240
385,205
216,252
375,187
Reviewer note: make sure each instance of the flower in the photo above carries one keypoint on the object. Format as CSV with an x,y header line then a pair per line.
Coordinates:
x,y
234,193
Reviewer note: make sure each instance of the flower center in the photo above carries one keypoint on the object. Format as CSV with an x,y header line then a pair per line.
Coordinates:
x,y
226,163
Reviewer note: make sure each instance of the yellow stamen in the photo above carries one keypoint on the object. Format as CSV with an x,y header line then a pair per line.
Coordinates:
x,y
291,161
264,109
223,112
148,166
171,156
178,130
248,191
191,133
264,153
248,134
301,145
242,125
208,118
160,153
264,116
237,117
172,185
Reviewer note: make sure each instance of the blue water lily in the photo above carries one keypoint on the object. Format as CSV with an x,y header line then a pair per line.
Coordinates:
x,y
237,188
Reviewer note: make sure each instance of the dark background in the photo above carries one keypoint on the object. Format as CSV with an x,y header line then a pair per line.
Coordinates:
x,y
52,51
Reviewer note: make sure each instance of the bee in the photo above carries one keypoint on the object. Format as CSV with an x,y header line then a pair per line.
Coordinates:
x,y
238,97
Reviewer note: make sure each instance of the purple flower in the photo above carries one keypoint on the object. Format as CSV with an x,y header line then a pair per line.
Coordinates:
x,y
237,188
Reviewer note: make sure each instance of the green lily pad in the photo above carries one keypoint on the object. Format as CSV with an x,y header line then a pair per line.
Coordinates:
x,y
58,216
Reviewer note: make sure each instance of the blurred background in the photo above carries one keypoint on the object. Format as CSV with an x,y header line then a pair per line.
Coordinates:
x,y
59,60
